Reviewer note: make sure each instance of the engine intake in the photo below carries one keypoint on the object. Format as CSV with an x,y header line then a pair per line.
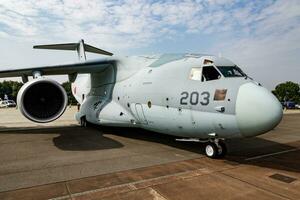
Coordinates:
x,y
42,100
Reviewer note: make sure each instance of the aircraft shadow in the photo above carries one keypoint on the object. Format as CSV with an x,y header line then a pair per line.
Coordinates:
x,y
87,140
238,149
71,138
75,138
264,153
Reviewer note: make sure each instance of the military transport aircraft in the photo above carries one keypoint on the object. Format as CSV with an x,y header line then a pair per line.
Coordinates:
x,y
191,96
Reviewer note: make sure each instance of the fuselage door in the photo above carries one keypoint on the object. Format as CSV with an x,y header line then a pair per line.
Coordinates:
x,y
140,113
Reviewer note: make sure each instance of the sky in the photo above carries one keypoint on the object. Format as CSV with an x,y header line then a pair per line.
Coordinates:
x,y
262,37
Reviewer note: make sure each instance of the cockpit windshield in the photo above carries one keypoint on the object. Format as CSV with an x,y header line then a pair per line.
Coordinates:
x,y
231,71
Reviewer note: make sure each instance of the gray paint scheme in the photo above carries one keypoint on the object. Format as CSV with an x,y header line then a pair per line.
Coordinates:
x,y
146,91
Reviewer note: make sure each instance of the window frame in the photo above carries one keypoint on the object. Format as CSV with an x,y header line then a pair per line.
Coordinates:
x,y
214,66
239,69
201,68
191,70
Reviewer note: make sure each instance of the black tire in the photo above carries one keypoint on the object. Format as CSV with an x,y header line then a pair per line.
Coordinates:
x,y
222,149
211,150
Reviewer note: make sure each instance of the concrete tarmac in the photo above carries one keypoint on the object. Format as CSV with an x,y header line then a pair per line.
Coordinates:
x,y
61,160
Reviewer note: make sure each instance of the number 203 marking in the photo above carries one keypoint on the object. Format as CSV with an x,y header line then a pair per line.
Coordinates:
x,y
194,98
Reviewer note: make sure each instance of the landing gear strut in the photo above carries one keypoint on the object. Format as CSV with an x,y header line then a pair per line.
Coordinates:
x,y
83,122
215,149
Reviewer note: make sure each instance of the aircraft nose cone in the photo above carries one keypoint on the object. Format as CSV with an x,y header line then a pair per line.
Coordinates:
x,y
257,110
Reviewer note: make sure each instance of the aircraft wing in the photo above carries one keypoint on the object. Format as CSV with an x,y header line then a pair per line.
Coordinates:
x,y
64,69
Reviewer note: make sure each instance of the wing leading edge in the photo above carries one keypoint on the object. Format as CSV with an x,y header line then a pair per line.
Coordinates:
x,y
64,69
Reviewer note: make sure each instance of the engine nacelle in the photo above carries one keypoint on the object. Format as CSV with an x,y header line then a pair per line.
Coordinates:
x,y
42,100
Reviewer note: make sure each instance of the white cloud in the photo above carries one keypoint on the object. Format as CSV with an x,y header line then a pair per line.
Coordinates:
x,y
271,50
246,31
138,21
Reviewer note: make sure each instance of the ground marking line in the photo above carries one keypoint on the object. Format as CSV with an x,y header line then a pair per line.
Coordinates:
x,y
122,185
69,192
156,195
271,154
256,186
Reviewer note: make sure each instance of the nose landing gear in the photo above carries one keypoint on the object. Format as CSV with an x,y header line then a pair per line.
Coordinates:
x,y
215,149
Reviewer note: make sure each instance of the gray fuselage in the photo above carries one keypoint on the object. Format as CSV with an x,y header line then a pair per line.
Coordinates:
x,y
164,94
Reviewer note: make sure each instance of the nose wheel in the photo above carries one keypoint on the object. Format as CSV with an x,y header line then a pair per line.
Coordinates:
x,y
215,149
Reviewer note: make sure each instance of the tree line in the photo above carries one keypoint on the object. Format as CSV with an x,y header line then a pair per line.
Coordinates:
x,y
288,91
10,88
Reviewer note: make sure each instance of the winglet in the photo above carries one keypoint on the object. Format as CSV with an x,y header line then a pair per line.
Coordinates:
x,y
80,47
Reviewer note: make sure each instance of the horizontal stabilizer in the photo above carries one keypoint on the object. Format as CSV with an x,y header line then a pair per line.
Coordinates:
x,y
68,46
80,47
92,49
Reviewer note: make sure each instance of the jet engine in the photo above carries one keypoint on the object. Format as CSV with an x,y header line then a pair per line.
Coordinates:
x,y
42,100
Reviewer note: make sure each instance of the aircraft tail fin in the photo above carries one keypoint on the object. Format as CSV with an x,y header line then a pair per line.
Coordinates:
x,y
80,47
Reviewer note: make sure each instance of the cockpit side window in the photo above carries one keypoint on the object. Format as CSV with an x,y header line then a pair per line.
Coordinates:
x,y
231,71
196,73
210,73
